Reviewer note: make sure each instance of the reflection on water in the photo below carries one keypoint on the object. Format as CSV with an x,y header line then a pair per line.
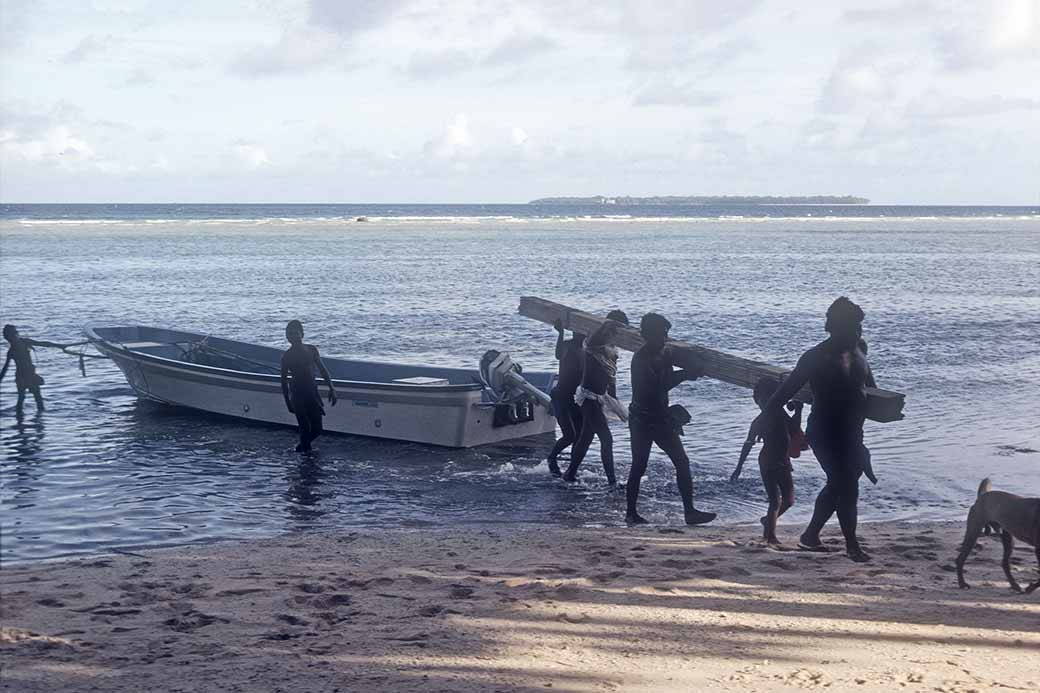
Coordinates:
x,y
953,319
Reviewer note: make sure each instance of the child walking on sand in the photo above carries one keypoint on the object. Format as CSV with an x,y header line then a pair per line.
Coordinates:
x,y
782,439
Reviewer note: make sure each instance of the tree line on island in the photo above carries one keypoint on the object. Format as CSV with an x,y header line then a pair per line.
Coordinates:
x,y
705,200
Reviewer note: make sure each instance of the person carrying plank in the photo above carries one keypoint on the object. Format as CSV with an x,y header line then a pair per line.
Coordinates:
x,y
298,387
652,420
569,352
839,375
25,376
597,397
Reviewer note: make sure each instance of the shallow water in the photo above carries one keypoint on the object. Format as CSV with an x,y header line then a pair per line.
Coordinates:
x,y
952,297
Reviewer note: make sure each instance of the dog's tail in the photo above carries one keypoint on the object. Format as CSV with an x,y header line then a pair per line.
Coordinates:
x,y
985,486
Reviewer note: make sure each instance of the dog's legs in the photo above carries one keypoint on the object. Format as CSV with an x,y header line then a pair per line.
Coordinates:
x,y
1009,544
1036,584
971,535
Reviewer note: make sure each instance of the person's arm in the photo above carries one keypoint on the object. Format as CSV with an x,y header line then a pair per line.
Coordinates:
x,y
674,378
43,343
325,376
3,371
744,452
870,377
794,382
558,326
285,386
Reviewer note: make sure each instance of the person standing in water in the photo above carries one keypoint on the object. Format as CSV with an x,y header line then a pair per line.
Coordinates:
x,y
652,420
570,354
839,375
26,378
597,396
300,390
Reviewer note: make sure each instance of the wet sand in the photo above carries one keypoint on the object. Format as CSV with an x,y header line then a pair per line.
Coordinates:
x,y
524,608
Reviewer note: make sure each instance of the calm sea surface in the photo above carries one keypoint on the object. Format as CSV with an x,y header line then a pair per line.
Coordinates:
x,y
952,297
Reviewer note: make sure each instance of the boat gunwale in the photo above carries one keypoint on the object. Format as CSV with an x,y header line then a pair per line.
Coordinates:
x,y
101,344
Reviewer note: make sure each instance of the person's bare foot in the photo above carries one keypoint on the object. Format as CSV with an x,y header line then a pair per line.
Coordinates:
x,y
698,517
634,518
857,555
554,468
807,543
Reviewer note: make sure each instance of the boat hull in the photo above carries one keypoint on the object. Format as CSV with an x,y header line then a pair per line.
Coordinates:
x,y
449,415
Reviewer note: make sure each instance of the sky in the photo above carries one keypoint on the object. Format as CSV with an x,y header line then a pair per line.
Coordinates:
x,y
913,101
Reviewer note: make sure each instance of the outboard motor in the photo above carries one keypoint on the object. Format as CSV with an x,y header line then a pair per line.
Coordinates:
x,y
512,395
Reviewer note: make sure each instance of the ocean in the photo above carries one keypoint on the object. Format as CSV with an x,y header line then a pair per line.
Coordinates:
x,y
951,294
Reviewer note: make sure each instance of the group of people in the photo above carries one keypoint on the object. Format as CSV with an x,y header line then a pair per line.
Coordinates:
x,y
585,396
836,369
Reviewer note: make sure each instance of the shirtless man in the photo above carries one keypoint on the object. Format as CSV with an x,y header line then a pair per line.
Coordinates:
x,y
597,396
651,422
570,354
300,391
839,375
25,376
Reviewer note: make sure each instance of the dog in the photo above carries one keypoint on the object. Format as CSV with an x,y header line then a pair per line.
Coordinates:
x,y
1015,517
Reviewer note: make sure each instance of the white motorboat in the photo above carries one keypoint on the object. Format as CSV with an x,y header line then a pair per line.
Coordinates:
x,y
452,407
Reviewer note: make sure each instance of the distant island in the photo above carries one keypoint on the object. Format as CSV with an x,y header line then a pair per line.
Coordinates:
x,y
704,200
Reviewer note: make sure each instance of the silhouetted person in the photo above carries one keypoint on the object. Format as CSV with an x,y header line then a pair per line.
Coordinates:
x,y
651,420
26,378
300,390
839,375
570,354
781,439
597,396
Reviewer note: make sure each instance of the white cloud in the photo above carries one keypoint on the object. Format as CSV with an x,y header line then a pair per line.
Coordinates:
x,y
252,155
673,90
456,140
56,145
934,105
518,136
861,81
983,34
88,47
297,49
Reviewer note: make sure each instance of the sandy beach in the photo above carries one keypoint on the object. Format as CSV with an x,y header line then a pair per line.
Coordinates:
x,y
524,608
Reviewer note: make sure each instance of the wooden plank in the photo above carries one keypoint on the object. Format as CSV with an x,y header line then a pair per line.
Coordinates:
x,y
882,405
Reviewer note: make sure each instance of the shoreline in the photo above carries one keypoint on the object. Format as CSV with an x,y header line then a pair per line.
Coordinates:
x,y
523,608
792,529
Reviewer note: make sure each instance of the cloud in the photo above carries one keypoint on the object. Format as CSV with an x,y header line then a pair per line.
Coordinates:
x,y
427,64
316,42
901,12
252,155
519,48
56,144
456,140
862,80
139,78
933,105
88,47
986,34
352,16
518,136
674,91
298,49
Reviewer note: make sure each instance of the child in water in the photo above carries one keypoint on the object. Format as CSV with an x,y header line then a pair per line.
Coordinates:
x,y
782,440
25,377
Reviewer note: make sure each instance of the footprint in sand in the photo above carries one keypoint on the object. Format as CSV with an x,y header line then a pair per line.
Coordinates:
x,y
310,587
461,592
676,563
192,620
292,620
241,592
